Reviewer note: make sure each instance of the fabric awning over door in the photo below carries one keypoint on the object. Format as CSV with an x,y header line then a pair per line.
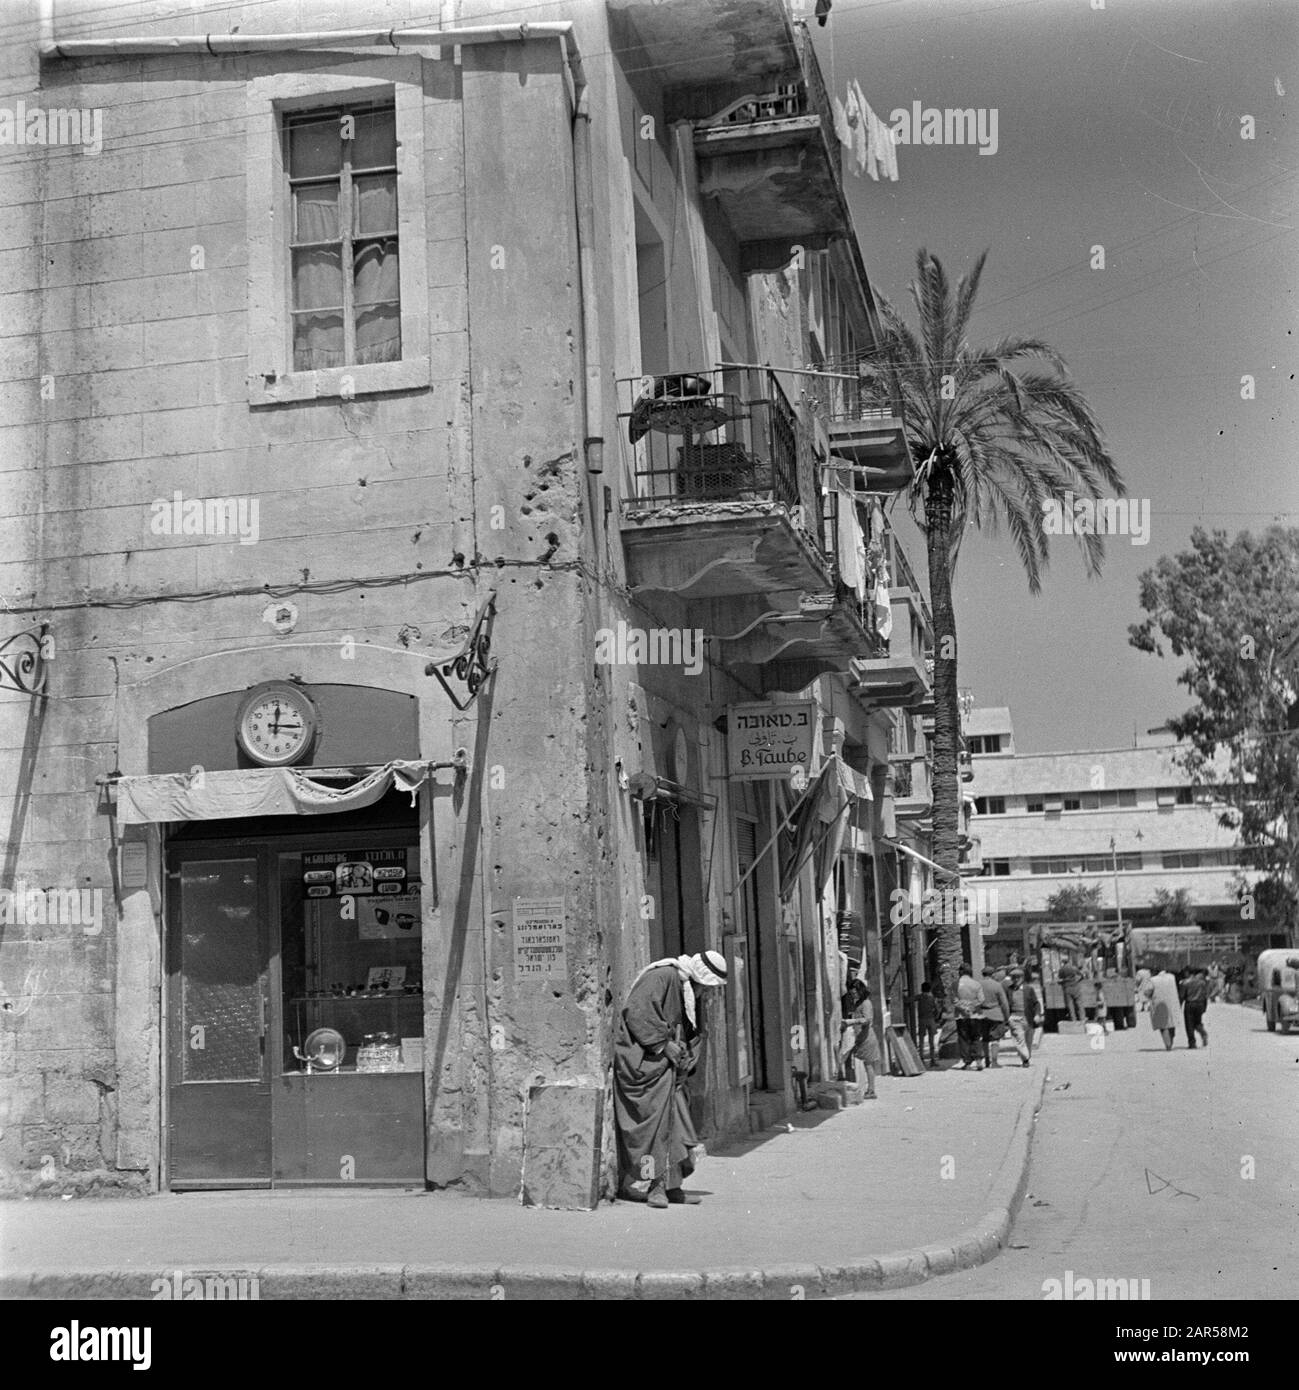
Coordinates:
x,y
266,791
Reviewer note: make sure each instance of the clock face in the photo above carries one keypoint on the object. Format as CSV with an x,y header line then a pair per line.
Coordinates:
x,y
277,725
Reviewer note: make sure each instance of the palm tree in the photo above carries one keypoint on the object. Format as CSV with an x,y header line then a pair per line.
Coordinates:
x,y
999,431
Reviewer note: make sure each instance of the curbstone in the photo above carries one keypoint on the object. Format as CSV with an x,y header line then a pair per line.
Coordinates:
x,y
903,1268
330,1282
732,1284
610,1284
92,1283
540,1284
940,1259
443,1282
791,1283
670,1285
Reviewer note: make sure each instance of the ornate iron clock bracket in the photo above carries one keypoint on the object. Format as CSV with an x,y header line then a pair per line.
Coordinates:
x,y
23,662
472,663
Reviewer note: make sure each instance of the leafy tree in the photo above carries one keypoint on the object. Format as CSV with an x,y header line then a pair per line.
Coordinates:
x,y
1232,608
1173,909
1073,903
1001,433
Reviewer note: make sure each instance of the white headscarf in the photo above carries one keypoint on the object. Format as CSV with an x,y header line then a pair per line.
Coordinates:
x,y
702,969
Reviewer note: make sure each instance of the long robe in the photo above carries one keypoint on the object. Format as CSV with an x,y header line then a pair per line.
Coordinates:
x,y
1162,993
655,1132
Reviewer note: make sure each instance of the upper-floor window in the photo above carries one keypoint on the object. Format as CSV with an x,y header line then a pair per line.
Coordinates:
x,y
990,805
983,743
343,236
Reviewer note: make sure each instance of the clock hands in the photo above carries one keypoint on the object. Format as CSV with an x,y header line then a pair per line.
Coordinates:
x,y
276,726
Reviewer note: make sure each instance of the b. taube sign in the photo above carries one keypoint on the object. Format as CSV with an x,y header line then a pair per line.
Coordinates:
x,y
769,741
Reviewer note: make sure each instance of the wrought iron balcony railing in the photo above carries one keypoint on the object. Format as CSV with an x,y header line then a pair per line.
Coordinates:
x,y
724,435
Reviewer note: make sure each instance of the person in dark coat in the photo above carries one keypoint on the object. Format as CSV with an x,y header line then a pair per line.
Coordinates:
x,y
995,1016
1195,999
657,1045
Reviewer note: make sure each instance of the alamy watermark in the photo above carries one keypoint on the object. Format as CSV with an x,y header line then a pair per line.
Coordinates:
x,y
1072,1289
53,907
948,125
21,124
656,646
1097,516
962,907
206,516
206,1287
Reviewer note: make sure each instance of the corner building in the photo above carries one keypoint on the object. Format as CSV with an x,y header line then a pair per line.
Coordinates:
x,y
411,551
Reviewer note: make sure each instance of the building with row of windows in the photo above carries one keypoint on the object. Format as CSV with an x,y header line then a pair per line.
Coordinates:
x,y
1126,821
447,567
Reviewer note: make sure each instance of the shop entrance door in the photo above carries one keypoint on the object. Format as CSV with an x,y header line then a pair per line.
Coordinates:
x,y
274,940
219,950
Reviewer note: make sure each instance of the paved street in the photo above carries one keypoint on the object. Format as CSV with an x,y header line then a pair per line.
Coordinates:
x,y
1140,1169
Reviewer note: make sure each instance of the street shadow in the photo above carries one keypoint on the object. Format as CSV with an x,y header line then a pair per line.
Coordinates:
x,y
798,1120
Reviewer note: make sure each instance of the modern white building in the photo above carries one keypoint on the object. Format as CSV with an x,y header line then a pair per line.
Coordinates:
x,y
1124,819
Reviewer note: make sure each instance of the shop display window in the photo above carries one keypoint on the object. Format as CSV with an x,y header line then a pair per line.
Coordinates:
x,y
351,963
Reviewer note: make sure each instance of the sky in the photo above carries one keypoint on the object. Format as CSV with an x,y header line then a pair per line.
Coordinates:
x,y
1118,127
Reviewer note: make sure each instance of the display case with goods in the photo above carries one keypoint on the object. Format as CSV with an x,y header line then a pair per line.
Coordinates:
x,y
355,967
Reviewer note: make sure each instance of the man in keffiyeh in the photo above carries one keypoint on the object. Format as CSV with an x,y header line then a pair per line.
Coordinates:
x,y
656,1047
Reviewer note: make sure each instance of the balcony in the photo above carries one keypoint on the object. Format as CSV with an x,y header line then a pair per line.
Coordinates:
x,y
869,437
727,501
695,42
729,514
770,156
913,794
899,676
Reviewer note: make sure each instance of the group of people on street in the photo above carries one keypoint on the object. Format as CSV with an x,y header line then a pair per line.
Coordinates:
x,y
1164,994
987,1009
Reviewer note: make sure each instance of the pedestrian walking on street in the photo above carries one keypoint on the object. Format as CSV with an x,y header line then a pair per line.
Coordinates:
x,y
969,1018
1143,979
1023,1014
657,1045
1162,993
1195,999
928,1017
859,1041
996,1015
1070,978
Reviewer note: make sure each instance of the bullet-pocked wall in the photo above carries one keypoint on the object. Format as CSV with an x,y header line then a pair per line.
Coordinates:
x,y
384,511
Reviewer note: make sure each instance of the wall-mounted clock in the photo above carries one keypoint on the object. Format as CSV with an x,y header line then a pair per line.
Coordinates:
x,y
278,724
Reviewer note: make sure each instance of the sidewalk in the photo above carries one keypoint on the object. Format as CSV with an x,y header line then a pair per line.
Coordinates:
x,y
924,1180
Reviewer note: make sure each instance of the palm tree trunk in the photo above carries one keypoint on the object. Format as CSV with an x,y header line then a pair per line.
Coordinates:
x,y
947,785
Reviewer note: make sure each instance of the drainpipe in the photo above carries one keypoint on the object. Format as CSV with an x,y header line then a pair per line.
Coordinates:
x,y
45,22
219,44
582,179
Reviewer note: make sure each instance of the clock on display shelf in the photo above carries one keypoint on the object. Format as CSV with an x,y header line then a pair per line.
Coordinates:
x,y
278,724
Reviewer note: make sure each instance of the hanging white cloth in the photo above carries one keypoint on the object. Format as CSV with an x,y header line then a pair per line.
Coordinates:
x,y
851,544
264,791
841,127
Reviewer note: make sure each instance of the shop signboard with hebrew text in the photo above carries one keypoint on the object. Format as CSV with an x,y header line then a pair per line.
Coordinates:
x,y
767,742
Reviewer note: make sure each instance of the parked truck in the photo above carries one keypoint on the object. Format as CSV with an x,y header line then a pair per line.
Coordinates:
x,y
1102,956
1278,988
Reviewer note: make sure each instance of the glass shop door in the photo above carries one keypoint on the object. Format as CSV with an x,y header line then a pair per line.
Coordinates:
x,y
218,1067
